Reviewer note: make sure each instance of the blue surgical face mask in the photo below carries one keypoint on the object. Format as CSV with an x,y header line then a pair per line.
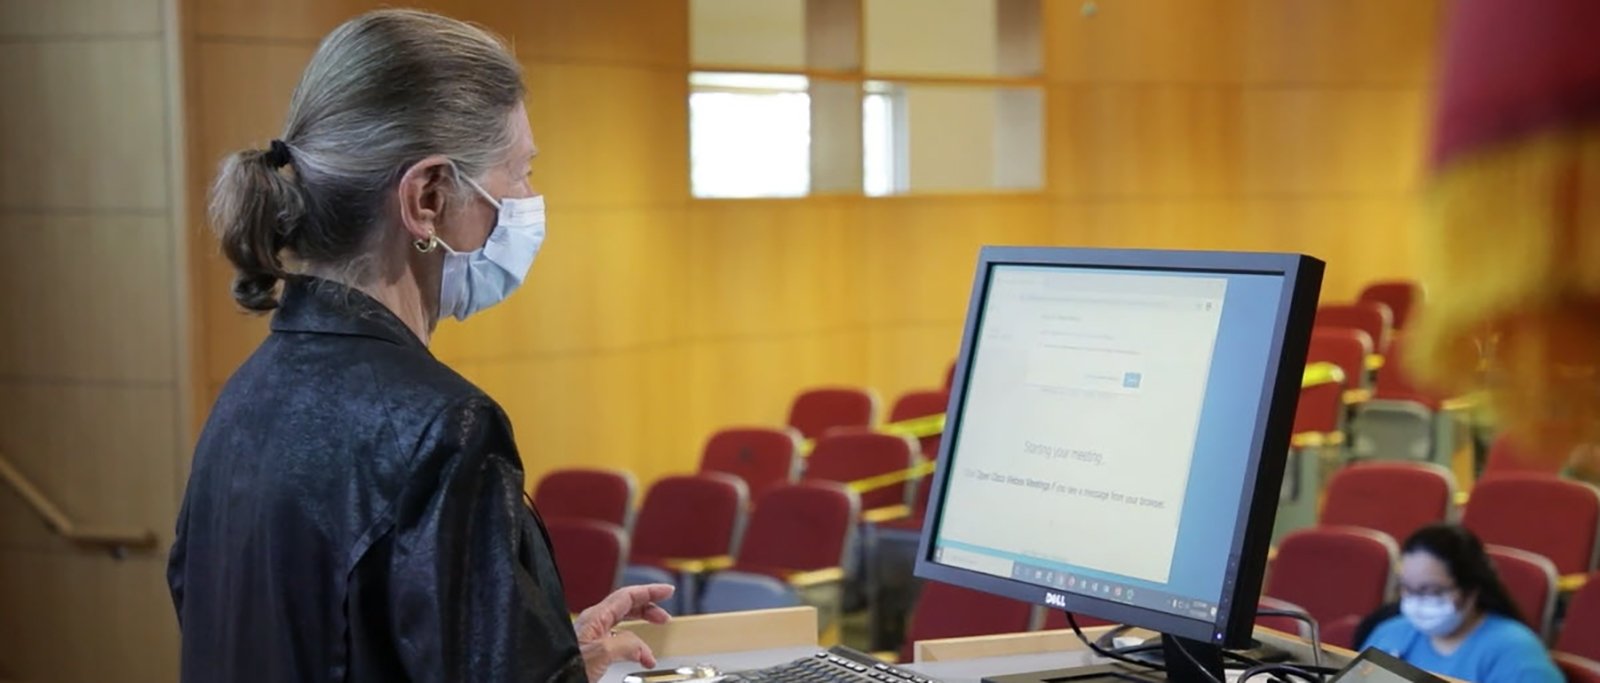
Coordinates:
x,y
475,280
1433,616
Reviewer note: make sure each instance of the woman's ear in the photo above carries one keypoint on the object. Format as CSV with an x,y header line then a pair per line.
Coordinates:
x,y
423,190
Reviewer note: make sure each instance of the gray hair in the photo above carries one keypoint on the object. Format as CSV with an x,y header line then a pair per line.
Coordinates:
x,y
383,91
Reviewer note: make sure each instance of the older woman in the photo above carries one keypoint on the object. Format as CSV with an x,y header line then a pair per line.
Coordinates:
x,y
356,509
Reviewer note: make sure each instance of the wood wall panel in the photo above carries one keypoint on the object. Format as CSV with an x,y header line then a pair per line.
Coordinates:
x,y
919,254
650,319
1332,141
605,280
90,373
1145,140
281,21
79,18
1342,42
1149,41
609,136
87,618
114,321
770,267
103,452
606,32
92,134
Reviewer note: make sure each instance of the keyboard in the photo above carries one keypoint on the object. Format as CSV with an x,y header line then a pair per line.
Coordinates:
x,y
838,664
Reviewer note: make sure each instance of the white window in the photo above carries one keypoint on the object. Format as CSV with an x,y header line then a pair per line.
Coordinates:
x,y
749,135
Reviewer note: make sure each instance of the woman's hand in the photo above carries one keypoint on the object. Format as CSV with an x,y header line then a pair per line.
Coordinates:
x,y
601,645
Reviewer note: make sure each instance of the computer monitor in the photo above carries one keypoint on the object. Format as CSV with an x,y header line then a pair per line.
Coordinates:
x,y
1117,432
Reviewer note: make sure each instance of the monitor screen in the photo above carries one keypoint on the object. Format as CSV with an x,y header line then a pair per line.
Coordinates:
x,y
1100,440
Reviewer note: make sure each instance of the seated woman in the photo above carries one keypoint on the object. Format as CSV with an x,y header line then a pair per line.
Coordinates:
x,y
1455,616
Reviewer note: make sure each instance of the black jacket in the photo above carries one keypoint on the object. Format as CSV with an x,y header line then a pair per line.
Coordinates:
x,y
355,512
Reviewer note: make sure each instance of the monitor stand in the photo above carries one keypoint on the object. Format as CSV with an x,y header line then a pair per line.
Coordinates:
x,y
1179,667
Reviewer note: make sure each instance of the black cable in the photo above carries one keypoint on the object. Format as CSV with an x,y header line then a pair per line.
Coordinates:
x,y
1108,654
1178,643
1316,636
1278,669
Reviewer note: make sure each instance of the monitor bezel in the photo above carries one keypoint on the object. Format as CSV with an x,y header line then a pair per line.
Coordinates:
x,y
1300,287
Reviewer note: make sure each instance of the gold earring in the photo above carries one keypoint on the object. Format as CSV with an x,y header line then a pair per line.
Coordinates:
x,y
427,245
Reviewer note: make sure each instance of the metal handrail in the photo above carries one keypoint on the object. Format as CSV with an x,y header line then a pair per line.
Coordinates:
x,y
117,540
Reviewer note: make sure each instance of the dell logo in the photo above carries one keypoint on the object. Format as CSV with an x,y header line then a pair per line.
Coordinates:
x,y
1055,599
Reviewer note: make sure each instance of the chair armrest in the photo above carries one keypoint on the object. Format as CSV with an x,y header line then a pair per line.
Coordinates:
x,y
1572,582
1316,439
1375,361
885,514
816,577
1354,396
698,565
1462,403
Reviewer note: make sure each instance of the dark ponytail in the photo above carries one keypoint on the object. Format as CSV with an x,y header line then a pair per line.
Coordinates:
x,y
256,208
1469,565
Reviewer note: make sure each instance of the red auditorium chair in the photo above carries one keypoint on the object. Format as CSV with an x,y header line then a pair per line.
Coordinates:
x,y
917,404
688,525
816,411
762,457
847,456
1577,669
1505,457
1580,629
1321,412
1374,319
950,376
1403,297
1556,518
794,548
1345,347
1531,581
590,555
1338,574
1400,422
597,494
1396,498
946,611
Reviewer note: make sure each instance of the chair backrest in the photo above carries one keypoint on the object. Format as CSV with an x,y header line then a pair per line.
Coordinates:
x,y
815,411
1577,669
761,456
1531,581
1334,572
1403,297
1395,498
579,493
946,611
1545,515
799,527
1345,347
915,404
690,516
1394,381
590,555
847,456
1580,629
1321,409
1507,457
1372,318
